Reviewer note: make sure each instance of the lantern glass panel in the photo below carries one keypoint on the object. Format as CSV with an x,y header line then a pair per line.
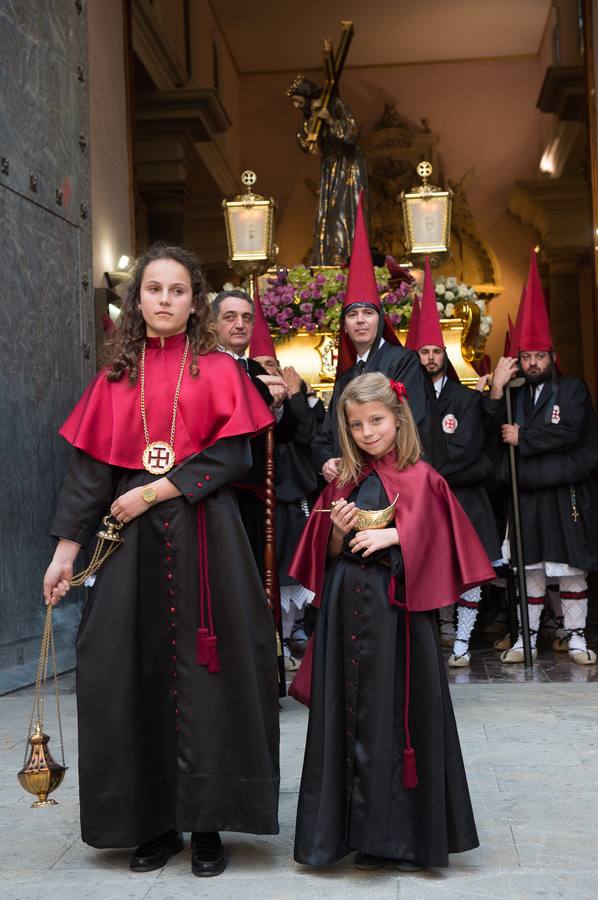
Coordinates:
x,y
249,229
427,222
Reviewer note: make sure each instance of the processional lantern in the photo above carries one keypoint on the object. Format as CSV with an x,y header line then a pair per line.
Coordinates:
x,y
249,230
251,251
427,216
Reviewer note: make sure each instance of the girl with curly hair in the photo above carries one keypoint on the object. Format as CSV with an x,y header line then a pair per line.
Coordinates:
x,y
176,656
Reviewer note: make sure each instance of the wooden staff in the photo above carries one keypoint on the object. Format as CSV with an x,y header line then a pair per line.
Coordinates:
x,y
270,568
271,586
516,529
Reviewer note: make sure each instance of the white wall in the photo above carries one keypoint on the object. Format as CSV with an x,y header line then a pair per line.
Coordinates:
x,y
110,198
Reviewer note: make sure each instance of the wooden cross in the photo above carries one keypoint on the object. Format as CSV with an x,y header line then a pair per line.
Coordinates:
x,y
333,68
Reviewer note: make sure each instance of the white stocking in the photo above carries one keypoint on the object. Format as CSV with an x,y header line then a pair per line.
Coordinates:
x,y
535,580
574,600
467,613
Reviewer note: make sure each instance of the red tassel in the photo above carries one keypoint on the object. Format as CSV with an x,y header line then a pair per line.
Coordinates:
x,y
201,646
214,659
409,769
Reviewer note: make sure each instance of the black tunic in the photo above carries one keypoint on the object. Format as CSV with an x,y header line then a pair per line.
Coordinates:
x,y
468,468
162,742
400,364
351,795
249,489
297,482
557,466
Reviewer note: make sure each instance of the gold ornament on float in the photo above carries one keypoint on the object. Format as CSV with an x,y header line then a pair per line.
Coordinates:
x,y
41,774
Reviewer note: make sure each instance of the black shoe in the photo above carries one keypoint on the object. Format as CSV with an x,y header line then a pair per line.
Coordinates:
x,y
207,854
406,865
366,862
155,853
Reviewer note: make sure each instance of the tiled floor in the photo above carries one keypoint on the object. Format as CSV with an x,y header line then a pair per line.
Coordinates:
x,y
550,667
531,753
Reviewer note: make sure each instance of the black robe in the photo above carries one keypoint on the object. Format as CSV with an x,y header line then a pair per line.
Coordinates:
x,y
399,364
250,488
297,482
468,469
557,467
351,795
163,743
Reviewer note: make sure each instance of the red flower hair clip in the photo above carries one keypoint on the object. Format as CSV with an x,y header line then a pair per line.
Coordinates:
x,y
399,389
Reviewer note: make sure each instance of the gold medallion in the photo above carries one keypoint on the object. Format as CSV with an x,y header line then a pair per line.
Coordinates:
x,y
158,457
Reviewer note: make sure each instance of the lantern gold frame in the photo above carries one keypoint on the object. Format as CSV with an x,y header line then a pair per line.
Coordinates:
x,y
414,205
256,260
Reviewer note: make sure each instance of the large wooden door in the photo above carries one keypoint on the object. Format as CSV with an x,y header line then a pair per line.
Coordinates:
x,y
46,303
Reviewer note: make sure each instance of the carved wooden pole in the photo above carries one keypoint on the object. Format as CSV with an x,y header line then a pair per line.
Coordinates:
x,y
270,569
517,534
269,545
271,586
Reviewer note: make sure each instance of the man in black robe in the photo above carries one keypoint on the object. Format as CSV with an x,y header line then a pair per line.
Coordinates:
x,y
234,316
461,414
367,343
466,467
556,435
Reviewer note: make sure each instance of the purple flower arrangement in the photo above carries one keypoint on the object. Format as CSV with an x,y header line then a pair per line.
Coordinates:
x,y
301,298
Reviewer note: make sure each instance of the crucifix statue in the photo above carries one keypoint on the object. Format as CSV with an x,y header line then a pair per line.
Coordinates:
x,y
329,128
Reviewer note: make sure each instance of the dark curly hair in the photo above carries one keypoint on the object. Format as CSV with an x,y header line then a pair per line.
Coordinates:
x,y
123,347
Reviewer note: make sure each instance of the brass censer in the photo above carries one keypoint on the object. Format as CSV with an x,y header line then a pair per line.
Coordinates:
x,y
370,518
41,774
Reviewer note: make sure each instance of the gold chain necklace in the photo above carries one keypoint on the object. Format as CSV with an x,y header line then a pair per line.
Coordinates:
x,y
159,456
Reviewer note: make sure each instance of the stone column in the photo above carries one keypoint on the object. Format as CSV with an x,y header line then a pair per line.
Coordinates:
x,y
564,305
169,126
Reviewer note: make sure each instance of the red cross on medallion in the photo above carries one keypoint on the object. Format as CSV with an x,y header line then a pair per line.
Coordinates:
x,y
158,457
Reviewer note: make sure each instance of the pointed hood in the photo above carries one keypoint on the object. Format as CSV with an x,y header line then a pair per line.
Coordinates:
x,y
428,326
532,328
261,343
411,340
361,283
361,290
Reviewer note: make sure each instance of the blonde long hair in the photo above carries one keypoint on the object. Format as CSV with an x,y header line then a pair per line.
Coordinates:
x,y
375,388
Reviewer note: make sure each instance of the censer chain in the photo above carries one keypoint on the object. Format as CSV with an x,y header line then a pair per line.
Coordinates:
x,y
108,535
39,694
97,560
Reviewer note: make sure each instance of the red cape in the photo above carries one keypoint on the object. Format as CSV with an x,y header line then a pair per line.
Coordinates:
x,y
442,553
219,402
